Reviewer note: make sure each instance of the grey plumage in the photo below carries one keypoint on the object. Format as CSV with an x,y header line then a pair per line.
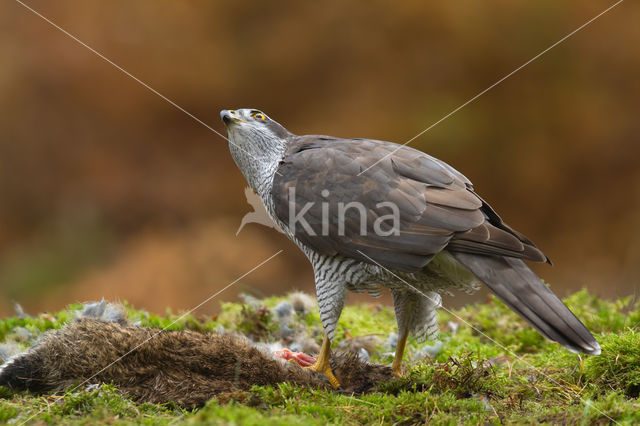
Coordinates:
x,y
520,289
446,238
437,205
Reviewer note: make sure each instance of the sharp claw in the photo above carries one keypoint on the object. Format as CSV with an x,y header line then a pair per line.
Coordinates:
x,y
326,371
334,382
322,364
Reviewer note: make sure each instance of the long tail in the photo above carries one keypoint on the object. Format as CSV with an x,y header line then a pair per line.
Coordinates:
x,y
520,289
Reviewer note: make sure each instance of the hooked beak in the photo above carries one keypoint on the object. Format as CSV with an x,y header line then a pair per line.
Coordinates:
x,y
229,117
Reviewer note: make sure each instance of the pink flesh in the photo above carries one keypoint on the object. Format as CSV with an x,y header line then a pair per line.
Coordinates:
x,y
302,359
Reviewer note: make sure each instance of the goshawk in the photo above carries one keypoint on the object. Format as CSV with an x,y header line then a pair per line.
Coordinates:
x,y
371,214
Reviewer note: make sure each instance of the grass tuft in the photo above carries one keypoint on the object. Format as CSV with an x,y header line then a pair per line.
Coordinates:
x,y
618,367
503,372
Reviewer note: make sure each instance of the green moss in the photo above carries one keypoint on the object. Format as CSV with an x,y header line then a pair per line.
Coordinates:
x,y
256,323
104,404
604,316
618,368
503,372
464,378
237,414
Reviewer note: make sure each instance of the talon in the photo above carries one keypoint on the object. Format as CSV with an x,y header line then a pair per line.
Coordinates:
x,y
326,371
322,365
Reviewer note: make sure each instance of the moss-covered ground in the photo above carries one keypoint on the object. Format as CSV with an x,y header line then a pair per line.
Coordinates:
x,y
501,372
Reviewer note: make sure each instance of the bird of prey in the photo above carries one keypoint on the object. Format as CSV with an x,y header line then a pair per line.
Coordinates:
x,y
371,214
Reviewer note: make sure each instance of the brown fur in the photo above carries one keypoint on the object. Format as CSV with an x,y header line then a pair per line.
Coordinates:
x,y
186,367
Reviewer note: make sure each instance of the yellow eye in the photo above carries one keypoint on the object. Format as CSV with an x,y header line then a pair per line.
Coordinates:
x,y
259,116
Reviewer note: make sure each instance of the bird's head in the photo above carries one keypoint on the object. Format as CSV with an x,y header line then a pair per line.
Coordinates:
x,y
257,143
253,130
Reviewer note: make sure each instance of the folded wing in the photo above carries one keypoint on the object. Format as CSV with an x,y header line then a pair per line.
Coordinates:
x,y
400,213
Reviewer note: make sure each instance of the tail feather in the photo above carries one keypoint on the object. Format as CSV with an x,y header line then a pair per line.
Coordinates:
x,y
520,289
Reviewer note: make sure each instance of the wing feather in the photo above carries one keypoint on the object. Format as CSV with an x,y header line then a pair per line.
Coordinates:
x,y
436,205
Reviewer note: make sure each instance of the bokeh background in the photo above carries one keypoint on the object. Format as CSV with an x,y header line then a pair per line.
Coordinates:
x,y
108,191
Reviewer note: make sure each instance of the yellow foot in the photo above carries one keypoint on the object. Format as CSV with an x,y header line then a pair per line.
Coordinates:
x,y
396,367
326,370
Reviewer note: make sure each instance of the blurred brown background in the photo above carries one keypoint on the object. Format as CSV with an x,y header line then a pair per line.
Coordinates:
x,y
107,190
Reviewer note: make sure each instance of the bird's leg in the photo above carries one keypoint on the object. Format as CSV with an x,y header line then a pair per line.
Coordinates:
x,y
403,304
322,364
396,367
